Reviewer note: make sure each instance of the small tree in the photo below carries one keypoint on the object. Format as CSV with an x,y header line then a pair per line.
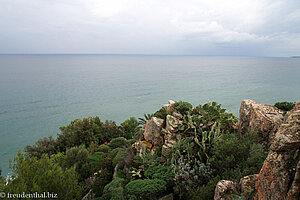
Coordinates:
x,y
130,127
40,175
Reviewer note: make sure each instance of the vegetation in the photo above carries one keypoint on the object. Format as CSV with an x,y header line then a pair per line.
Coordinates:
x,y
285,106
145,188
90,155
45,174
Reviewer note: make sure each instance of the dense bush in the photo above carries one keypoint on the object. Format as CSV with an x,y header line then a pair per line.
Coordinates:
x,y
79,157
104,148
39,175
89,131
286,106
130,127
47,145
235,157
160,172
120,142
103,172
182,107
145,189
114,190
162,113
205,192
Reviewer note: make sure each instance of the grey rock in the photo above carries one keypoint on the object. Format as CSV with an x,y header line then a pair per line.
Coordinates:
x,y
279,168
153,132
264,118
225,189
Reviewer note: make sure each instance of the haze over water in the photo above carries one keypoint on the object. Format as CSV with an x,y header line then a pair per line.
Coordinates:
x,y
40,93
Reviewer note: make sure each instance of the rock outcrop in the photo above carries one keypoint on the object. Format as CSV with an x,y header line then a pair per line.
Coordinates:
x,y
153,132
278,178
294,192
247,186
225,189
171,138
264,118
159,132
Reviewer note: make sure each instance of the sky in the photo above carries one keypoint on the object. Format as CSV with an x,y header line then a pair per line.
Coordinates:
x,y
177,27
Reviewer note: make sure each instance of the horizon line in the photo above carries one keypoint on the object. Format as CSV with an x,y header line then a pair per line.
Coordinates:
x,y
136,54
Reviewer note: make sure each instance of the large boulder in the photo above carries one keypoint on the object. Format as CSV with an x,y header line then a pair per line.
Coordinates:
x,y
264,118
278,178
153,132
294,192
247,185
225,189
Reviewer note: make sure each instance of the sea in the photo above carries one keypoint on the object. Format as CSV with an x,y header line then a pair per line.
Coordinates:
x,y
40,93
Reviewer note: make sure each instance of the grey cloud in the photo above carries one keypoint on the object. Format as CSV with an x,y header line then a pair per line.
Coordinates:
x,y
215,27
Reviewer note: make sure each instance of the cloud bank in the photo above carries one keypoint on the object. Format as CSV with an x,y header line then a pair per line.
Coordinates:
x,y
207,27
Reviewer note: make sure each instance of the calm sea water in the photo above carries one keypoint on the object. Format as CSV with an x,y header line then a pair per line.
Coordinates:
x,y
40,93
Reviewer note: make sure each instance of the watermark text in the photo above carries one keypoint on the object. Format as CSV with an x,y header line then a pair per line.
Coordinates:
x,y
35,195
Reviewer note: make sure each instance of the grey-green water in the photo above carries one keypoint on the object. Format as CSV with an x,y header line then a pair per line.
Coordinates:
x,y
40,93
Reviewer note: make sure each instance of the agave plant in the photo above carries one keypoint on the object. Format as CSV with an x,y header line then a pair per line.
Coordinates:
x,y
147,117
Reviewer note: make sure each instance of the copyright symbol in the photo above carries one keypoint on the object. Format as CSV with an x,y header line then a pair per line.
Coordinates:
x,y
2,195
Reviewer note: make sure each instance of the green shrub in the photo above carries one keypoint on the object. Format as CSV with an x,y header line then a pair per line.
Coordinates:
x,y
118,158
86,131
40,175
130,127
286,106
146,189
104,148
120,142
161,113
235,157
189,175
160,172
96,157
79,157
104,170
78,132
117,150
108,131
228,151
47,145
121,173
118,194
205,192
116,183
182,107
255,160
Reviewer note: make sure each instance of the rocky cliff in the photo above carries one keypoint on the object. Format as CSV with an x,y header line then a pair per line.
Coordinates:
x,y
279,177
264,118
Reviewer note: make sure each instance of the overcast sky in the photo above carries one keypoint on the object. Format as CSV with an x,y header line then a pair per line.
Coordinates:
x,y
201,27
